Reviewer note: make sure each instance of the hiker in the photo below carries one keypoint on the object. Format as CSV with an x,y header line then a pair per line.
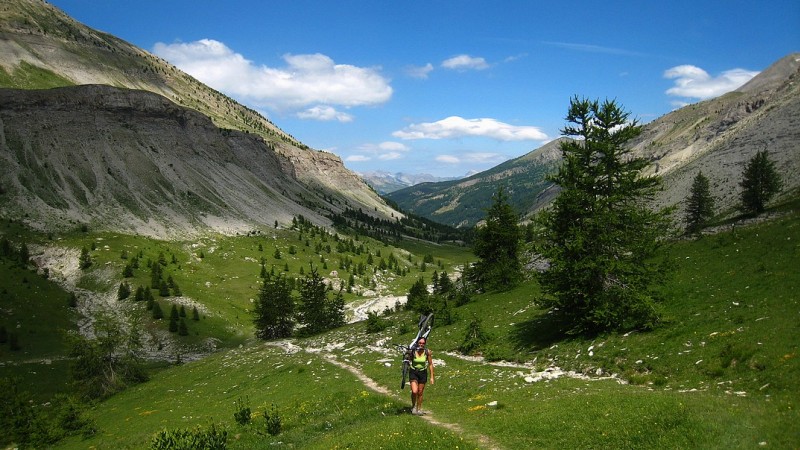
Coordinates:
x,y
421,361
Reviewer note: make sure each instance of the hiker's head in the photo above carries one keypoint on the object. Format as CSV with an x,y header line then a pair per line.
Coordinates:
x,y
421,342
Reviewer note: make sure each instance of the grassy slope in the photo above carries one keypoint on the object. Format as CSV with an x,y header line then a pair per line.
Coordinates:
x,y
721,373
225,281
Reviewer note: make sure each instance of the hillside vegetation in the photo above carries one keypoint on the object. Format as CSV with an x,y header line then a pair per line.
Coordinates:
x,y
721,371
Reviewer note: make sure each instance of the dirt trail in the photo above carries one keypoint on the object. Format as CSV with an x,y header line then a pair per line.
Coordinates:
x,y
371,384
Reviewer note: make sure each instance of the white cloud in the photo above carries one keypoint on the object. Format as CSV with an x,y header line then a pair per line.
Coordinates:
x,y
590,48
465,62
448,159
385,151
305,80
386,146
324,113
393,146
483,157
694,82
456,127
390,156
420,72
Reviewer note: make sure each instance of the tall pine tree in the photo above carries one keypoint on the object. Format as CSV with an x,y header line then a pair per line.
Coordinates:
x,y
599,235
760,182
274,309
699,205
496,245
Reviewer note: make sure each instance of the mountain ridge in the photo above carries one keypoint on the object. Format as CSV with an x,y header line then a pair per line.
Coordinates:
x,y
716,136
41,47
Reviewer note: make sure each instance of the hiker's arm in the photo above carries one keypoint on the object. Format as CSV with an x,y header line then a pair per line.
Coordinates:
x,y
430,364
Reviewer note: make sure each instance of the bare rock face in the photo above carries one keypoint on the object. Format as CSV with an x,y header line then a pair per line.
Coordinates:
x,y
719,136
158,153
134,161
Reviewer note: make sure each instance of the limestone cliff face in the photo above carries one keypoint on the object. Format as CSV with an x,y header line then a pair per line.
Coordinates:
x,y
159,152
719,136
134,161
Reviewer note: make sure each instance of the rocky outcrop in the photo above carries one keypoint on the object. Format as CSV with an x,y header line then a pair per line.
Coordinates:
x,y
134,161
160,153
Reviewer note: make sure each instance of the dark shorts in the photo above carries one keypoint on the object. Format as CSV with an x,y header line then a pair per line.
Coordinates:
x,y
420,376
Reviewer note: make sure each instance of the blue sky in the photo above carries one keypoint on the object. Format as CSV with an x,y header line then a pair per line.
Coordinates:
x,y
451,87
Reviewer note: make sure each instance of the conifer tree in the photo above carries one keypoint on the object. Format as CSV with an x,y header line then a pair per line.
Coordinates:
x,y
195,314
760,182
139,295
496,245
419,298
85,260
600,236
155,276
699,205
23,256
163,289
158,313
6,250
183,330
173,312
124,291
334,310
317,312
173,325
273,312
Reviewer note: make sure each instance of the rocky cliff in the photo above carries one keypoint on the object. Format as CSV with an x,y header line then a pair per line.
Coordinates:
x,y
134,161
157,153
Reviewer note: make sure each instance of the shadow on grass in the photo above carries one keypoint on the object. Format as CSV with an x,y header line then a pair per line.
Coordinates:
x,y
540,332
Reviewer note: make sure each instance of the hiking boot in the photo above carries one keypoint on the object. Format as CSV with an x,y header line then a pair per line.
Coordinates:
x,y
414,410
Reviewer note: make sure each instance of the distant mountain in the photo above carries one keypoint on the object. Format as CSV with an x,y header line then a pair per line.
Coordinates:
x,y
716,136
95,130
462,203
386,182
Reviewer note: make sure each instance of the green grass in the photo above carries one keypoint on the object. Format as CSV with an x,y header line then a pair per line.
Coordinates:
x,y
320,405
28,76
721,371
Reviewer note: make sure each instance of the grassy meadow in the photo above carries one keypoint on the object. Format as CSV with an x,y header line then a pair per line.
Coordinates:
x,y
720,371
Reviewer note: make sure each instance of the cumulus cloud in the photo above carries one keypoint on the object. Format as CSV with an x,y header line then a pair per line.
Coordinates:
x,y
420,72
325,113
390,156
448,159
305,80
385,151
694,82
472,158
465,62
455,127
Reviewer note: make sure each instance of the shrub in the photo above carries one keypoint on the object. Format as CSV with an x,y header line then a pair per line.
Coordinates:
x,y
375,323
474,338
241,412
273,421
211,439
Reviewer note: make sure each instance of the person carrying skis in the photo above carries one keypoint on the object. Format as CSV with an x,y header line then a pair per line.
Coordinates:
x,y
421,361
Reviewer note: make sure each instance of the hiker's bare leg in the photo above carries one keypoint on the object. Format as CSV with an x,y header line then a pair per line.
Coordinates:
x,y
414,390
421,389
